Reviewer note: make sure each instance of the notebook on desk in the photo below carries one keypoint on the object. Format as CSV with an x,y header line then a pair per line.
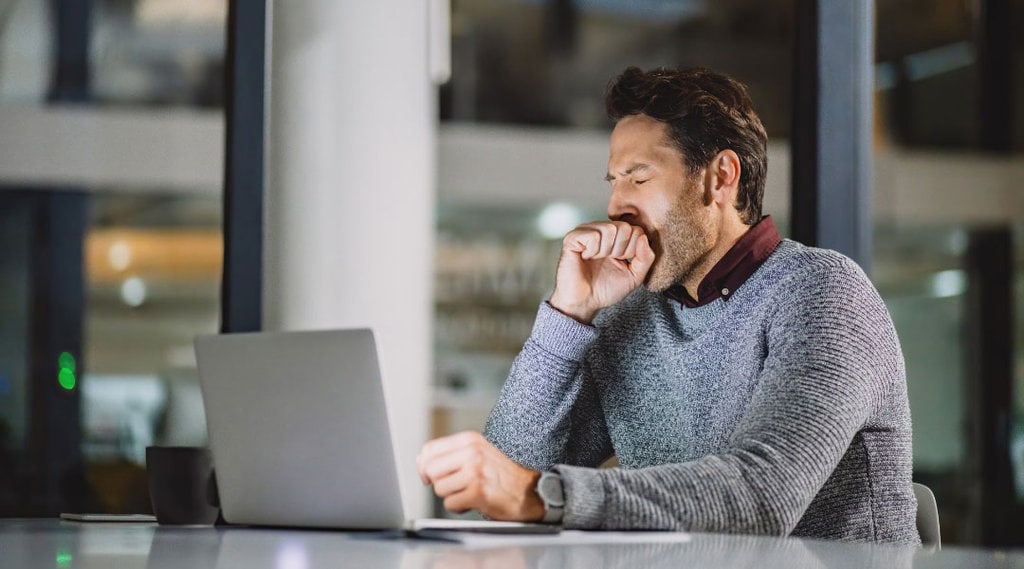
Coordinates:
x,y
299,433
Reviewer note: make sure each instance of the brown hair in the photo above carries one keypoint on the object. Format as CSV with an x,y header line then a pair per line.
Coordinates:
x,y
706,113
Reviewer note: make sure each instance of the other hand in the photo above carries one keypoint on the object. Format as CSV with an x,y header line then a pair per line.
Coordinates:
x,y
470,473
601,263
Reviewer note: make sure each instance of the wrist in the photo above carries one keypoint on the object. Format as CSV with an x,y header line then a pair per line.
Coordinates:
x,y
578,312
533,506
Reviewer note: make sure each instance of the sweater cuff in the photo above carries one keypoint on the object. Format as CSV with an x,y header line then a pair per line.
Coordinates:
x,y
560,335
584,497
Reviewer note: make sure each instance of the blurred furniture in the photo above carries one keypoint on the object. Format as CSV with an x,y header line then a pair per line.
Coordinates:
x,y
927,517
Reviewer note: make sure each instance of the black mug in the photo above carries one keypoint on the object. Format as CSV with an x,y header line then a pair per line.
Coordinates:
x,y
182,488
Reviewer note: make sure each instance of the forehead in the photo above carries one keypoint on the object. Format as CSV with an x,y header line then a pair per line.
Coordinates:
x,y
641,138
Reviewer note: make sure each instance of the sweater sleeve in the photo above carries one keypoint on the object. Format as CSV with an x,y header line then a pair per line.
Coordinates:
x,y
547,401
832,356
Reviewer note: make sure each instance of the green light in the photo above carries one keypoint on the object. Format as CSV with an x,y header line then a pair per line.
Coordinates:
x,y
66,374
66,361
66,379
64,560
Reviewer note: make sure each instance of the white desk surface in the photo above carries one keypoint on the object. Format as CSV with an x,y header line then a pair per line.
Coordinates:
x,y
52,544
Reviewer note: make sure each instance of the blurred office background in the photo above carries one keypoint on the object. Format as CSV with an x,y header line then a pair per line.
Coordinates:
x,y
126,143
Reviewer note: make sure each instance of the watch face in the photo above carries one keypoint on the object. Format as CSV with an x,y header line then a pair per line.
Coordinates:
x,y
550,489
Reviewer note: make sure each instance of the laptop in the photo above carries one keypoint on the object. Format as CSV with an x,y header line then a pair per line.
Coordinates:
x,y
299,433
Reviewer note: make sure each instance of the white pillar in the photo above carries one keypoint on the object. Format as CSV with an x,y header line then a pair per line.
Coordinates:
x,y
350,195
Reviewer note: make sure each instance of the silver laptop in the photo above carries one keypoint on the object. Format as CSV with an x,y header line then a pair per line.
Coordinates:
x,y
299,429
299,433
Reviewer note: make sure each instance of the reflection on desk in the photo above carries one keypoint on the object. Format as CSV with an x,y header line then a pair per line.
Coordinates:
x,y
51,544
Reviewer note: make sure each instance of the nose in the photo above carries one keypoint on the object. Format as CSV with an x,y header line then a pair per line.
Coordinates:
x,y
619,206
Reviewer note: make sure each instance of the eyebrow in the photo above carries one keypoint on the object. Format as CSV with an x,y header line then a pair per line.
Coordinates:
x,y
634,168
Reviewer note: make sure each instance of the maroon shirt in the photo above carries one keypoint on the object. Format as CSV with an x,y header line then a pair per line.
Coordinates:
x,y
735,267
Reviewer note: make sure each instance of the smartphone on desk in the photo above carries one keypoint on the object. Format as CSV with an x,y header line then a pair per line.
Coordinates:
x,y
137,518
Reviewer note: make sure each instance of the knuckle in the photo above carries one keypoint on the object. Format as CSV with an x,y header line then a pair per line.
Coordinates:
x,y
577,235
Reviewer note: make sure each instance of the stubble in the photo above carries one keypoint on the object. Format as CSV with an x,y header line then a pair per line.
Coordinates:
x,y
682,241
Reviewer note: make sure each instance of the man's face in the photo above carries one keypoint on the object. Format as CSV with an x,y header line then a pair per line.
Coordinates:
x,y
652,188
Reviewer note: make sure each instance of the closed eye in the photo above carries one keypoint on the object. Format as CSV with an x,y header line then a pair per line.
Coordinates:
x,y
638,182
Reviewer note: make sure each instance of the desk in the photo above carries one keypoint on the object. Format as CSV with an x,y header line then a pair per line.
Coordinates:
x,y
51,544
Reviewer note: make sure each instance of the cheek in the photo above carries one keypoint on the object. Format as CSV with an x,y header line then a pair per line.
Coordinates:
x,y
661,212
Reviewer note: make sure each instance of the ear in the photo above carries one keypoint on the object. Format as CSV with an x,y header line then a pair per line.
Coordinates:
x,y
724,177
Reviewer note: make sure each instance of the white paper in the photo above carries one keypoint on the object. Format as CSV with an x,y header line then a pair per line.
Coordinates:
x,y
447,524
475,540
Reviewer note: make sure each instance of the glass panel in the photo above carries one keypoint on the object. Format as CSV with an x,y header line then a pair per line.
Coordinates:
x,y
26,36
15,302
920,275
933,188
159,52
153,267
927,72
142,52
493,268
153,259
152,247
518,63
1017,434
529,62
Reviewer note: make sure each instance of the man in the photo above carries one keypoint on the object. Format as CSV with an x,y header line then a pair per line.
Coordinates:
x,y
744,382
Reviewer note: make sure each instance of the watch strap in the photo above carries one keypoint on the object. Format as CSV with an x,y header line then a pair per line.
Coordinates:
x,y
552,494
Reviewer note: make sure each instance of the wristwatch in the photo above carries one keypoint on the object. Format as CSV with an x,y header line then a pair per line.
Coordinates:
x,y
549,488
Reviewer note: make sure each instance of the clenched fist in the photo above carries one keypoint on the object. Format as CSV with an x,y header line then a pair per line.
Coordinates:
x,y
470,473
601,263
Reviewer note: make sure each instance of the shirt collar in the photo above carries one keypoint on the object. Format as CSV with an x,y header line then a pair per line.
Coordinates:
x,y
735,267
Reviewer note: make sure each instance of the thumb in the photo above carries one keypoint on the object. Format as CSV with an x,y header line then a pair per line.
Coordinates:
x,y
644,258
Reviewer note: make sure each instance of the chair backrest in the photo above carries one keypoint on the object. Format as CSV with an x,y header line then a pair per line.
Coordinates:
x,y
927,517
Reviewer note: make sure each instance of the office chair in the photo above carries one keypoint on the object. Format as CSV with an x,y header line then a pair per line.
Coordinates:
x,y
927,517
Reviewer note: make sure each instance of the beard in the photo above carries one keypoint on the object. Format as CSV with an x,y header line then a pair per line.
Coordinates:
x,y
681,242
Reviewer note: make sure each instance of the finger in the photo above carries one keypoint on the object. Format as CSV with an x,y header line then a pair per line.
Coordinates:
x,y
437,447
592,242
584,240
599,238
445,464
634,238
419,469
421,460
644,257
623,236
447,444
608,233
462,502
455,482
626,241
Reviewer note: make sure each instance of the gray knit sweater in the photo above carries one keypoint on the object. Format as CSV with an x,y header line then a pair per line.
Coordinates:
x,y
781,410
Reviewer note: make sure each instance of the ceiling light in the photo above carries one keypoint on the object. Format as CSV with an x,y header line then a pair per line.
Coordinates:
x,y
133,292
950,283
119,255
557,219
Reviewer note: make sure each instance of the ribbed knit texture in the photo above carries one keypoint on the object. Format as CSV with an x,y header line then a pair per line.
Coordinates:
x,y
781,410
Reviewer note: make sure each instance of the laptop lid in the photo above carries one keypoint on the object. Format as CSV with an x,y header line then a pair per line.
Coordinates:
x,y
299,430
